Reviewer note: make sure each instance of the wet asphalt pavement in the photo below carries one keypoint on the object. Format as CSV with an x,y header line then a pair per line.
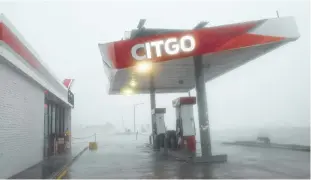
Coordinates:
x,y
121,156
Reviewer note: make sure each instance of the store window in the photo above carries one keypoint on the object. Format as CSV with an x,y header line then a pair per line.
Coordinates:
x,y
49,118
53,118
61,119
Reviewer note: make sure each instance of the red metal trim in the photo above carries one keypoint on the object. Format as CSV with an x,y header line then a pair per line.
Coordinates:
x,y
11,40
184,100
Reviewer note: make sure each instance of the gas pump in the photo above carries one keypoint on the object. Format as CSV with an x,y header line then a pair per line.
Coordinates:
x,y
160,127
185,127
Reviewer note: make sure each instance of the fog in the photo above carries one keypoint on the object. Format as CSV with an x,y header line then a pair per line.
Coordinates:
x,y
268,96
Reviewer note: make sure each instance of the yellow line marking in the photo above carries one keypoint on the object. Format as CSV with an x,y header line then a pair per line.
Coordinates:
x,y
62,174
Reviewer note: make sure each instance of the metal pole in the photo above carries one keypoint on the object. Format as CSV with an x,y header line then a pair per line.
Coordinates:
x,y
134,119
123,123
152,106
95,137
135,116
202,107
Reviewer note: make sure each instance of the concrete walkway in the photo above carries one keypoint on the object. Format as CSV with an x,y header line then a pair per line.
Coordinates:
x,y
49,168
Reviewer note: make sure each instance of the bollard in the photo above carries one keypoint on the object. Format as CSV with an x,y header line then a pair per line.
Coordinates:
x,y
93,145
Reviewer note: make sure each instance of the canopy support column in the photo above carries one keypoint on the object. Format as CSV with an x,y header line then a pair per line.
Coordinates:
x,y
153,106
202,107
205,138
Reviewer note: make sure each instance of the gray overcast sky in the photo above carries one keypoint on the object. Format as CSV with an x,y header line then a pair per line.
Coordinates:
x,y
273,90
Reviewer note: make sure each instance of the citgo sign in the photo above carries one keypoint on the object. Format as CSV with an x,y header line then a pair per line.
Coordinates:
x,y
171,46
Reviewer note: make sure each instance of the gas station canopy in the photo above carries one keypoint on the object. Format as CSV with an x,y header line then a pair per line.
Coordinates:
x,y
169,53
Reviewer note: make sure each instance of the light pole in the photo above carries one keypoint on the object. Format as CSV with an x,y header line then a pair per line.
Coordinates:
x,y
122,124
135,115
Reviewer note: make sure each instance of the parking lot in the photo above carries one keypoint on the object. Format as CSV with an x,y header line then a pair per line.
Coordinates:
x,y
121,156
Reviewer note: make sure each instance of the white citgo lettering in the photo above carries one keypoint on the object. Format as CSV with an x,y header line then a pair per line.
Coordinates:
x,y
157,45
134,52
183,42
172,46
148,50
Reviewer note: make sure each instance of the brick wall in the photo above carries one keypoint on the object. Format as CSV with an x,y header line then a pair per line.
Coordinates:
x,y
21,122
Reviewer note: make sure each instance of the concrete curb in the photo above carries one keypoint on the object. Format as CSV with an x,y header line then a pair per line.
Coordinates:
x,y
291,147
61,173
